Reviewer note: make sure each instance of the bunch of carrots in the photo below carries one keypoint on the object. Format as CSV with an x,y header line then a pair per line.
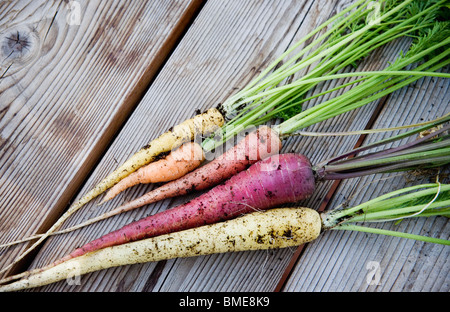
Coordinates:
x,y
253,175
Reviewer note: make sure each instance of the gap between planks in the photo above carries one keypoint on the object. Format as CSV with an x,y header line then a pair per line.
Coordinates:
x,y
117,123
330,194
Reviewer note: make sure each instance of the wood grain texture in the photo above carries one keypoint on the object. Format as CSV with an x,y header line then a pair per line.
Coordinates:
x,y
217,62
66,88
227,45
341,261
225,50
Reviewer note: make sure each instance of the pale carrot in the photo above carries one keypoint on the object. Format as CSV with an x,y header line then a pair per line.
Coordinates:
x,y
274,228
271,229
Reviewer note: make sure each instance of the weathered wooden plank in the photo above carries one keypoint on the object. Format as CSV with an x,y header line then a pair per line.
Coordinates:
x,y
341,261
208,63
70,76
207,44
214,46
226,46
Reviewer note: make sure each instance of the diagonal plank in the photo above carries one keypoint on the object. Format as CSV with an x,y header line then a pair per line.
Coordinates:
x,y
216,61
225,47
71,75
344,261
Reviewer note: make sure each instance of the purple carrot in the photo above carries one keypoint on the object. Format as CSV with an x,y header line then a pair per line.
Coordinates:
x,y
269,183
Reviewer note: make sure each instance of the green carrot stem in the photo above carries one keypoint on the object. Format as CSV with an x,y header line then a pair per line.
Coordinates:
x,y
352,227
251,87
400,136
374,84
400,213
272,114
341,60
283,72
432,199
381,73
388,202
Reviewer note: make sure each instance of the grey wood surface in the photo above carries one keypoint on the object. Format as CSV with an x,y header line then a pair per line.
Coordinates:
x,y
226,45
344,261
66,89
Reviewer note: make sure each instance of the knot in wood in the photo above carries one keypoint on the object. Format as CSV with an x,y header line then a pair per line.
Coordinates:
x,y
19,47
16,45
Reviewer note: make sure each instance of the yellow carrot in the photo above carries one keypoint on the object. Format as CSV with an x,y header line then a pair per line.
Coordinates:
x,y
202,124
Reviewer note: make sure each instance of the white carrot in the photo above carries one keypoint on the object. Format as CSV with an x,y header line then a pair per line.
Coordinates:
x,y
270,229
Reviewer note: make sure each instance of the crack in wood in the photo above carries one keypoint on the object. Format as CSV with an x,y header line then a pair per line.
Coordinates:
x,y
328,197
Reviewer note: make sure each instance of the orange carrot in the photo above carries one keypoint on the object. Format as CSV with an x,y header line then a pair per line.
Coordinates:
x,y
175,165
